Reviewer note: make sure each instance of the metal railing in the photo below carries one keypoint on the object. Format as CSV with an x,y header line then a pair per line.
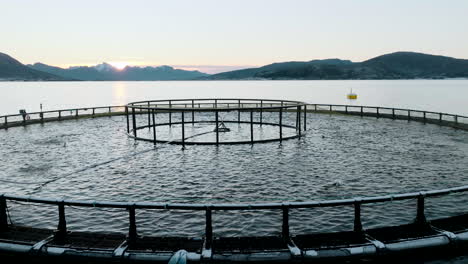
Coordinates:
x,y
284,208
12,120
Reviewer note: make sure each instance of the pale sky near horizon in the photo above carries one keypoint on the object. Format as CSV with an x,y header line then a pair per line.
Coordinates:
x,y
215,36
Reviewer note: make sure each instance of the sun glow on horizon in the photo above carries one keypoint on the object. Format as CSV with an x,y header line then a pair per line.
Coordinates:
x,y
119,65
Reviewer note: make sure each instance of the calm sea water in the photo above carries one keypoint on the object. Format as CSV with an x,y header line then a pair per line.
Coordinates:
x,y
448,96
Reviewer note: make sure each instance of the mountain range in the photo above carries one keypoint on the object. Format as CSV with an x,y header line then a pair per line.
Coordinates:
x,y
398,65
106,72
13,70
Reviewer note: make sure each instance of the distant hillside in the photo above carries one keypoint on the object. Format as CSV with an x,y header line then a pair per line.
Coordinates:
x,y
13,70
399,65
106,72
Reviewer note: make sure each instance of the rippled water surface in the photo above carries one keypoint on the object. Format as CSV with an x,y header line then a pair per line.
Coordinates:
x,y
340,157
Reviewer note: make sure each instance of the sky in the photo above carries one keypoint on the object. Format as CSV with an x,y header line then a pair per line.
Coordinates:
x,y
220,35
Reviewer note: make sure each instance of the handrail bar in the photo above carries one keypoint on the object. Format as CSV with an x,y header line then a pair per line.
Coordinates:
x,y
223,206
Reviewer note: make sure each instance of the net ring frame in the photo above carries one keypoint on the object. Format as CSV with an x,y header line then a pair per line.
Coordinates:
x,y
215,105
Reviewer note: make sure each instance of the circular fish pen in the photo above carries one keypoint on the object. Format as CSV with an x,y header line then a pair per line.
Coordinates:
x,y
358,187
216,121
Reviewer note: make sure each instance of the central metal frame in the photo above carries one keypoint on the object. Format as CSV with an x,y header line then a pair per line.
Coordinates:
x,y
215,106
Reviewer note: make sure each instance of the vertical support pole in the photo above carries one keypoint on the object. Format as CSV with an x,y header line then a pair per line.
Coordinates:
x,y
94,110
378,112
134,122
409,115
238,112
420,217
183,129
281,124
315,107
393,113
170,113
6,122
76,113
305,117
154,128
149,116
61,231
330,108
41,115
193,112
110,110
208,229
132,230
3,214
128,121
217,128
357,216
456,120
424,116
261,112
251,127
60,115
440,117
346,109
299,127
285,226
362,111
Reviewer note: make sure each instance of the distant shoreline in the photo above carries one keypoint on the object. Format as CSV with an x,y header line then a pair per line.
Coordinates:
x,y
231,80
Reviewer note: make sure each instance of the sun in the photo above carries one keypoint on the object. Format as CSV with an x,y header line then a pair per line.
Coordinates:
x,y
119,65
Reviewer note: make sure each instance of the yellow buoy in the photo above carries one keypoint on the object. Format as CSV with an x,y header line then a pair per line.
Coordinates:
x,y
352,96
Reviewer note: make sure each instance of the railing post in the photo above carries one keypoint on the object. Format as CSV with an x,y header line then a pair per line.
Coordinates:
x,y
346,109
357,216
154,128
128,121
217,128
420,217
94,110
76,113
315,107
170,113
60,115
183,129
132,230
362,111
331,108
285,226
61,232
134,122
6,122
41,115
393,113
208,229
193,112
251,127
305,117
440,117
409,115
424,116
456,119
281,124
261,112
299,127
110,109
378,112
149,115
238,112
3,214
